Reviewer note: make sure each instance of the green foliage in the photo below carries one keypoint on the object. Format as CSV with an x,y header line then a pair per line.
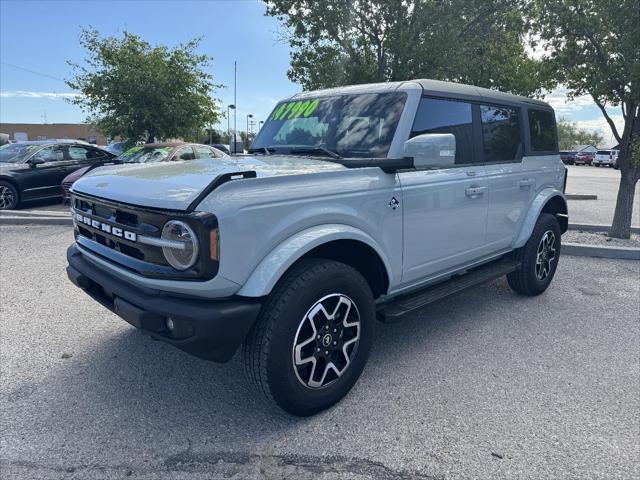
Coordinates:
x,y
134,90
569,135
339,42
593,47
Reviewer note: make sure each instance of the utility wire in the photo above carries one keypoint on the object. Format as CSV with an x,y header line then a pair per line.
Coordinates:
x,y
31,71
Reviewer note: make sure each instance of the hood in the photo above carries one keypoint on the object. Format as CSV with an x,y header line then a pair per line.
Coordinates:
x,y
174,185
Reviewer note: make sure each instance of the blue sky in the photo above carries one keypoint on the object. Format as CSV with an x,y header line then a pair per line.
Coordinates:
x,y
42,35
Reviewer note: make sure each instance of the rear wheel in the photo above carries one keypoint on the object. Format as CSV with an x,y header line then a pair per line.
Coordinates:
x,y
538,257
312,337
8,196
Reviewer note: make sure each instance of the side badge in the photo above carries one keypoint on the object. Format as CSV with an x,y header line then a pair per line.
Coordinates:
x,y
393,204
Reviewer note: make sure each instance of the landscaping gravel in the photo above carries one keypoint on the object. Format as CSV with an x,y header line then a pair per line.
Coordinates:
x,y
599,238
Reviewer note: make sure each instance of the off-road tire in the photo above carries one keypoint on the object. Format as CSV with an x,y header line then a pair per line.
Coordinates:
x,y
269,346
9,189
525,280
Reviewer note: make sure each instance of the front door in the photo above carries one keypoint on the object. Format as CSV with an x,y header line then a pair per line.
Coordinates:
x,y
43,180
445,210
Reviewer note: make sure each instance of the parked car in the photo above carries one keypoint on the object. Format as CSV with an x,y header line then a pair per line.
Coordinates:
x,y
583,158
606,158
149,153
568,158
357,202
34,170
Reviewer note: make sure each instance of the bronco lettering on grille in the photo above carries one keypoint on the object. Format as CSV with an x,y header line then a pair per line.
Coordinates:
x,y
106,228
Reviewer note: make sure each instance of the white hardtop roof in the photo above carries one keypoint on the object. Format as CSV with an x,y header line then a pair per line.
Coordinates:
x,y
429,87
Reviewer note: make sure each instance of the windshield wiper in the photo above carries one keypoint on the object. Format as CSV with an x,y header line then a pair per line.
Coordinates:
x,y
311,150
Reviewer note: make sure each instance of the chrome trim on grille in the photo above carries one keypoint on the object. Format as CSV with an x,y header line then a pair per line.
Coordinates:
x,y
159,242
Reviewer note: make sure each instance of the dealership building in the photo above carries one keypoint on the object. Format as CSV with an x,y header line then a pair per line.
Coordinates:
x,y
45,131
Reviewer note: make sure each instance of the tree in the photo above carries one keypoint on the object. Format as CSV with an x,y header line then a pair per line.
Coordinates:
x,y
592,47
569,135
338,42
135,90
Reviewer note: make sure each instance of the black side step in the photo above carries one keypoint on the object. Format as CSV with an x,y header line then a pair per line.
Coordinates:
x,y
401,305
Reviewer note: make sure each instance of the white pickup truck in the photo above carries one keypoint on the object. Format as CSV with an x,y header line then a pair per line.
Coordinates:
x,y
354,203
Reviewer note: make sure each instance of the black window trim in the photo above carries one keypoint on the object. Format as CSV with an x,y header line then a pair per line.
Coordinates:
x,y
520,125
476,130
529,152
476,118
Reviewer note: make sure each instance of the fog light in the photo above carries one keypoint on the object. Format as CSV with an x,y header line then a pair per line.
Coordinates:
x,y
169,323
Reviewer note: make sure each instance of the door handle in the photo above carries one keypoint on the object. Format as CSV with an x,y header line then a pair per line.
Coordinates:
x,y
526,182
475,191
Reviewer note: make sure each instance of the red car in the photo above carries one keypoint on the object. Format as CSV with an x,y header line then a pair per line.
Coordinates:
x,y
150,153
583,158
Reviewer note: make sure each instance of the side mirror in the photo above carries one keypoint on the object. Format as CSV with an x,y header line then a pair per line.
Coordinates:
x,y
35,161
431,150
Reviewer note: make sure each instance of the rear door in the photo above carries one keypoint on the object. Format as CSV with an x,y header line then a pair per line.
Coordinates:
x,y
511,183
445,210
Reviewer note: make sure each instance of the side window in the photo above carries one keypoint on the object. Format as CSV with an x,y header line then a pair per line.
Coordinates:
x,y
447,116
185,153
77,152
500,134
542,131
205,152
51,154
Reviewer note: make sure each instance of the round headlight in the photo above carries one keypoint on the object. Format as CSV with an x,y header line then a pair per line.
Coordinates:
x,y
183,254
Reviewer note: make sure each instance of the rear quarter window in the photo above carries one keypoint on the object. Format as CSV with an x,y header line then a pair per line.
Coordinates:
x,y
542,131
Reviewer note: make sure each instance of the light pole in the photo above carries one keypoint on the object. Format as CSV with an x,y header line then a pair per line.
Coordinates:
x,y
235,102
250,115
260,125
229,108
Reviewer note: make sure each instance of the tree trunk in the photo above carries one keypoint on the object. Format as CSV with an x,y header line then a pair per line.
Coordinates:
x,y
152,137
629,175
621,226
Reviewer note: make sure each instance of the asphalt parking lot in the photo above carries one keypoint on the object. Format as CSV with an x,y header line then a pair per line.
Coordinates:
x,y
600,181
483,385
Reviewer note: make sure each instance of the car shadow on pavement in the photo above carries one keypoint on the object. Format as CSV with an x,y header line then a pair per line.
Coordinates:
x,y
129,386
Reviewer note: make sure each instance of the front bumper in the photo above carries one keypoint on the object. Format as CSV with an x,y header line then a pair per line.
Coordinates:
x,y
209,329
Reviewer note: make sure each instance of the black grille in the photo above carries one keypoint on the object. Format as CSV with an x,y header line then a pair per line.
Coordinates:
x,y
133,254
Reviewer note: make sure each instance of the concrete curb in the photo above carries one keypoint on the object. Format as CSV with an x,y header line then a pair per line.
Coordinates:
x,y
594,227
15,220
618,253
33,213
580,196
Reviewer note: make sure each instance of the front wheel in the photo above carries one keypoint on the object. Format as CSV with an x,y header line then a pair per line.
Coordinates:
x,y
8,196
312,338
538,257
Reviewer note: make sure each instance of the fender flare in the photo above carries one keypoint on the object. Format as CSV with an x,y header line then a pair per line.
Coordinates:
x,y
277,262
535,208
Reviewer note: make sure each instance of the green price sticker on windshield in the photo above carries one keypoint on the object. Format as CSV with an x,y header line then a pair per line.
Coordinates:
x,y
291,110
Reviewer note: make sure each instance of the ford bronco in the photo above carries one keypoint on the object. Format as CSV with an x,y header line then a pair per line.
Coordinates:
x,y
354,203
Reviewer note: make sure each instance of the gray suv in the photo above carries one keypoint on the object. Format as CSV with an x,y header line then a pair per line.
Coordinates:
x,y
355,203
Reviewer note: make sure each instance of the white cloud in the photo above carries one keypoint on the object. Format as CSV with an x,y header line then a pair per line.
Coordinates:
x,y
28,94
559,101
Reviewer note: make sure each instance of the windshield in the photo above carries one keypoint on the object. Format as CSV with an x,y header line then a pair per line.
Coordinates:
x,y
16,152
145,154
360,125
